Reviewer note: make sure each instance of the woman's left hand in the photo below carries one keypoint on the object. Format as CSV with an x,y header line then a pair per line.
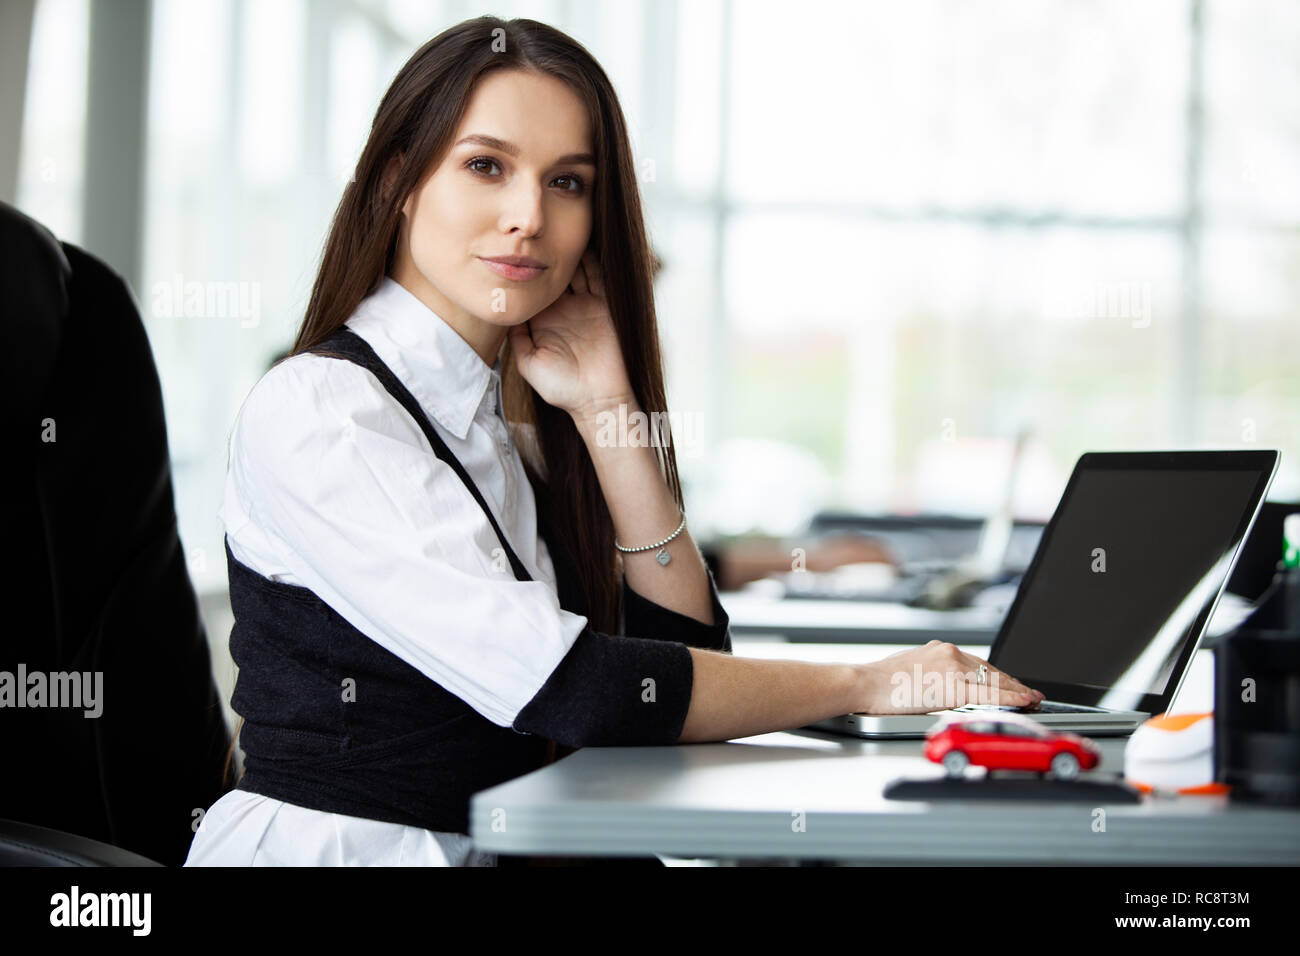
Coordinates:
x,y
569,352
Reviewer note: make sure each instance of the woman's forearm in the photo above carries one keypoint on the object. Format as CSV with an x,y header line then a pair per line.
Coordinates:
x,y
643,511
741,696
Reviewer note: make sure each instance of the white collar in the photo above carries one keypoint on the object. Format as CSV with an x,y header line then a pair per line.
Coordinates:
x,y
447,377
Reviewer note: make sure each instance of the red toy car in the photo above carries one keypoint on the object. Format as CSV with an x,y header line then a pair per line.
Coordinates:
x,y
1008,741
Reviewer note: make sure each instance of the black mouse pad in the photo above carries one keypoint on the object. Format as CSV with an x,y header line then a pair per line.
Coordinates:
x,y
1013,788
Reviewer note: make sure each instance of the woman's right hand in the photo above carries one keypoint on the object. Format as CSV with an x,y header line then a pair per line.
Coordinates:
x,y
948,678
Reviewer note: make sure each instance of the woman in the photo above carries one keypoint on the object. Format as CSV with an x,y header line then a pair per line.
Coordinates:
x,y
420,611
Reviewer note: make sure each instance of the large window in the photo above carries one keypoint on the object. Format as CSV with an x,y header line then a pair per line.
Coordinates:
x,y
935,224
894,234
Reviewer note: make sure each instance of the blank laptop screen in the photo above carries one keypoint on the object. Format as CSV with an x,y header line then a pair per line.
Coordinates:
x,y
1134,557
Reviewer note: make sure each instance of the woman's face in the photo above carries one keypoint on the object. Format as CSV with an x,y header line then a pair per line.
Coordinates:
x,y
526,191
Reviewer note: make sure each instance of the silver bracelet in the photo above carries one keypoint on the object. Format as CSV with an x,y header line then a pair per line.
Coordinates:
x,y
663,557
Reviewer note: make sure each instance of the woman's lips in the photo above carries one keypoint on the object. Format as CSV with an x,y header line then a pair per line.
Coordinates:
x,y
517,273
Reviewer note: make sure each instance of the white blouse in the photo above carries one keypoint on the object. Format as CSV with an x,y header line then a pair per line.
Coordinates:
x,y
326,474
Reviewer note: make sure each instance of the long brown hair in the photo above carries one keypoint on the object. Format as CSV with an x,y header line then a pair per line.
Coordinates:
x,y
416,121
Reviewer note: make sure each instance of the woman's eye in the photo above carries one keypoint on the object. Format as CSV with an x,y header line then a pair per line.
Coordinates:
x,y
480,159
581,185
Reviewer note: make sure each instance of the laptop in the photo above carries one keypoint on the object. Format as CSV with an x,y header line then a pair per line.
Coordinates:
x,y
1119,592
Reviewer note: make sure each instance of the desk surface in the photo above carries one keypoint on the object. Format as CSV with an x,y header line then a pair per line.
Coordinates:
x,y
741,799
758,610
869,622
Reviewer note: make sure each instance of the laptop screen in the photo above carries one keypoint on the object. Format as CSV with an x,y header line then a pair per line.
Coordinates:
x,y
1126,574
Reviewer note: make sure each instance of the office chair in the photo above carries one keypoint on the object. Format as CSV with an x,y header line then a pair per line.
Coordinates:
x,y
98,582
23,844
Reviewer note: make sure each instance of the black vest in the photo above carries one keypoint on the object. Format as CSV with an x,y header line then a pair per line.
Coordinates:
x,y
405,750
